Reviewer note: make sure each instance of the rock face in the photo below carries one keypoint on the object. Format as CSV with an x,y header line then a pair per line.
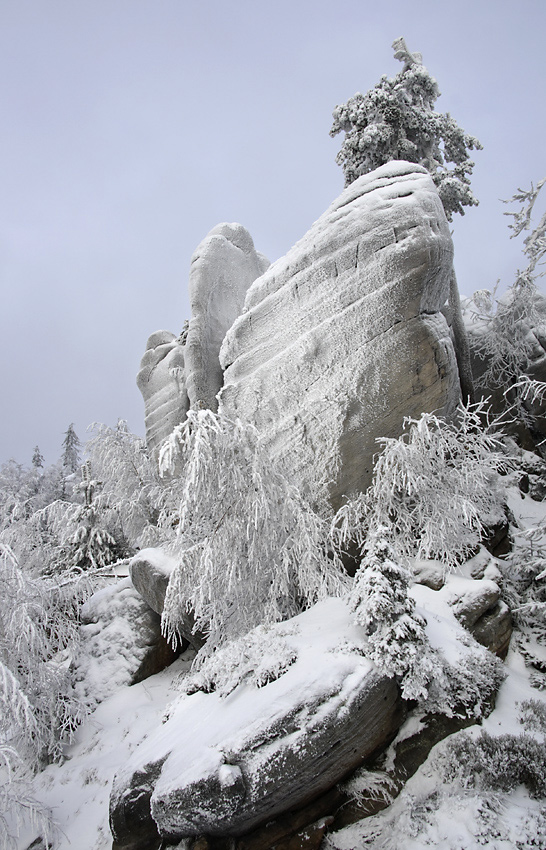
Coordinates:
x,y
222,268
480,609
162,382
223,765
343,337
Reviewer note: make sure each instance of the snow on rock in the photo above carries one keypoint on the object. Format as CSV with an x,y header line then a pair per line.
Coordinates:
x,y
343,337
150,571
161,381
222,268
223,765
477,604
76,791
121,642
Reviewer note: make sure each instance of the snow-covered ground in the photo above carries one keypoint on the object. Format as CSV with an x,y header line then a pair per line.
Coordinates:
x,y
438,807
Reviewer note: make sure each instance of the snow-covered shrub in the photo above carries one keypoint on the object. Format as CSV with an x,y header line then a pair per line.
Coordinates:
x,y
38,706
497,763
396,120
506,338
525,576
250,549
533,715
434,813
466,685
255,659
17,806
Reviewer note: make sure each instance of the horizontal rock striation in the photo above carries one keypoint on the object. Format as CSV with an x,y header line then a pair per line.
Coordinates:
x,y
162,382
343,337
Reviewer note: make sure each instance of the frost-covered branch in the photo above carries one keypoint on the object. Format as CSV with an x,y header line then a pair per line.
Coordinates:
x,y
436,487
507,341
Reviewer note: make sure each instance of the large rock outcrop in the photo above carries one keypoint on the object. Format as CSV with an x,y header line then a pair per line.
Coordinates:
x,y
177,373
343,337
221,765
223,267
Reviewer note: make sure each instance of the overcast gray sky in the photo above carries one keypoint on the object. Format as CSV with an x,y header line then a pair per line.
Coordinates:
x,y
131,127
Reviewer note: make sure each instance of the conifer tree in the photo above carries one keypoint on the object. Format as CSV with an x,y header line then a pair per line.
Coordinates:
x,y
396,120
71,450
37,458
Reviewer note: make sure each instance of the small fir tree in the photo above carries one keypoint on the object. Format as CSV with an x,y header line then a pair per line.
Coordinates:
x,y
89,543
37,458
71,450
379,598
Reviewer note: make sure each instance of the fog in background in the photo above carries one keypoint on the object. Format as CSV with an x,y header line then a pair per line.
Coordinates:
x,y
131,127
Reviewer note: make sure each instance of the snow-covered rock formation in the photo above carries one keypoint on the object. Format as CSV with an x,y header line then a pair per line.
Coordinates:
x,y
344,336
221,765
179,372
222,268
121,643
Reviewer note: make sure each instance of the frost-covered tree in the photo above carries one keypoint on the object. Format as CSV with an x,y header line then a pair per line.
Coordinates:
x,y
88,541
506,340
379,598
37,458
250,549
71,450
38,709
436,487
396,120
130,484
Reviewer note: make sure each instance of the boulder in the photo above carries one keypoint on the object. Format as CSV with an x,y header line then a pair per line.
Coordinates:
x,y
344,336
162,382
121,643
224,765
479,608
222,268
150,571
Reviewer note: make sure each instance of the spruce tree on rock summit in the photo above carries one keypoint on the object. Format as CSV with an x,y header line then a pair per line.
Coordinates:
x,y
396,120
